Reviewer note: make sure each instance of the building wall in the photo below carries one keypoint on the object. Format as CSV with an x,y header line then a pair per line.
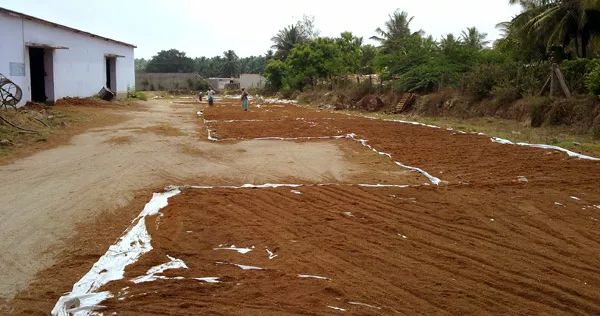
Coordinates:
x,y
252,81
164,81
224,83
79,71
13,50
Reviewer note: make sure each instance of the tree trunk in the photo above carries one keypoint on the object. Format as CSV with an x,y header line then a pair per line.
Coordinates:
x,y
585,39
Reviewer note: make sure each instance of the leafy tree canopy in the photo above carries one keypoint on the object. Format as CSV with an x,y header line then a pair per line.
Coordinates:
x,y
170,61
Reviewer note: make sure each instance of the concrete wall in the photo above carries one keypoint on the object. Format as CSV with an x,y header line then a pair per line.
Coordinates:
x,y
79,71
164,81
252,81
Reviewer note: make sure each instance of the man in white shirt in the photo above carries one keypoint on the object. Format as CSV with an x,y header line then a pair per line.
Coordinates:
x,y
210,96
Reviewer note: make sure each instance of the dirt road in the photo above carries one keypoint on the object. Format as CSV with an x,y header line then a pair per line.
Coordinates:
x,y
43,197
443,223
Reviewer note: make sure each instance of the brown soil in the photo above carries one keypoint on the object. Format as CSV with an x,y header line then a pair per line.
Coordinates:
x,y
483,242
82,102
162,130
78,119
454,259
121,140
227,111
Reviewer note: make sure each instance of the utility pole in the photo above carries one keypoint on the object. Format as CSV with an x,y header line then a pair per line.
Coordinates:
x,y
556,74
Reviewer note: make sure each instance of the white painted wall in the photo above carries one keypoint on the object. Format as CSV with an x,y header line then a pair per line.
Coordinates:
x,y
13,50
79,71
252,81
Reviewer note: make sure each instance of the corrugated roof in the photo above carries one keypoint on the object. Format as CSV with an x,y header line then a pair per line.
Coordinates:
x,y
32,18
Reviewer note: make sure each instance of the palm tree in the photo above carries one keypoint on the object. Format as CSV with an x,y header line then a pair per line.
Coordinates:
x,y
397,30
231,63
286,39
473,38
559,22
269,55
449,42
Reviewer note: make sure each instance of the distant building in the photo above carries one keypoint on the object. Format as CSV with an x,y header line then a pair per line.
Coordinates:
x,y
50,61
249,81
224,83
145,81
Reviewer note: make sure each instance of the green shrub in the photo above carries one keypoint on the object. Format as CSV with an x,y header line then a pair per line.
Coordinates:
x,y
134,94
575,72
482,79
532,78
288,93
596,132
275,72
201,85
505,92
592,80
537,115
557,115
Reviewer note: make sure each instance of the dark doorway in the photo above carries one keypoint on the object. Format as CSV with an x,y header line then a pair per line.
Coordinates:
x,y
38,74
111,73
108,73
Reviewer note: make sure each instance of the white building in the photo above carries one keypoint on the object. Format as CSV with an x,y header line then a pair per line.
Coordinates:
x,y
50,61
252,81
224,83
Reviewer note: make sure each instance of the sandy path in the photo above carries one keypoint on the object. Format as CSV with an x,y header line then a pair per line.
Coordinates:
x,y
44,196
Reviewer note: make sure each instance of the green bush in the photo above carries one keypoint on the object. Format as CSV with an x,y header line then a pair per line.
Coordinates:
x,y
505,92
596,132
537,115
532,78
201,85
190,83
134,94
592,79
275,72
575,72
557,114
288,93
482,79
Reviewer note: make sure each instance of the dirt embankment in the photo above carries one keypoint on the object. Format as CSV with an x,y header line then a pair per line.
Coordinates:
x,y
582,113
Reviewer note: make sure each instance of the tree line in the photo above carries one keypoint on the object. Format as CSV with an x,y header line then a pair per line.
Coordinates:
x,y
408,60
227,65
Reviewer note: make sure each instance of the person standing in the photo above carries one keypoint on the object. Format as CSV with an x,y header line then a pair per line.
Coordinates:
x,y
244,99
200,96
210,96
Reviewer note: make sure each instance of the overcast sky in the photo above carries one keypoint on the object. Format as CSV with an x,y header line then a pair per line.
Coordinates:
x,y
207,28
